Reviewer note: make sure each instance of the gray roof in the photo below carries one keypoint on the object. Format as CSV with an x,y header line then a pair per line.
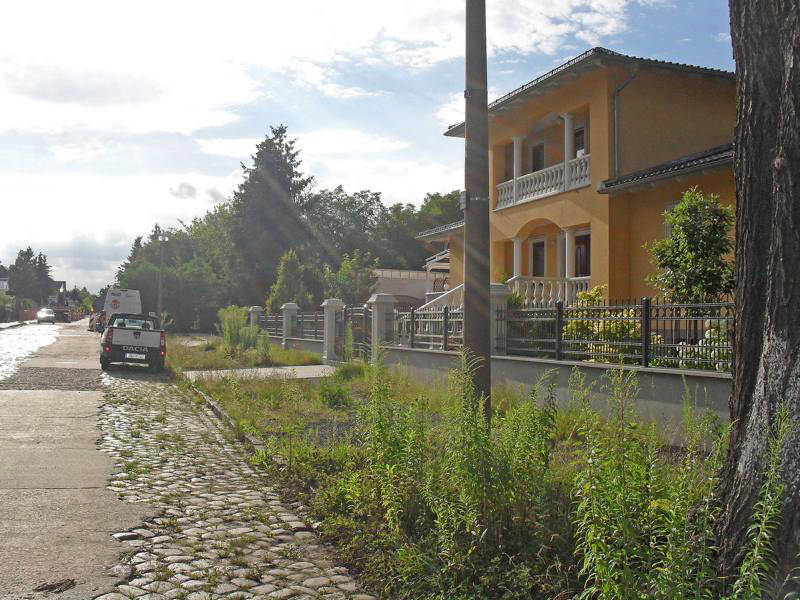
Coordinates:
x,y
712,158
588,60
437,231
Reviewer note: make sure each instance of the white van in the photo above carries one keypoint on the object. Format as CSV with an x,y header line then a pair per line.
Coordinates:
x,y
122,301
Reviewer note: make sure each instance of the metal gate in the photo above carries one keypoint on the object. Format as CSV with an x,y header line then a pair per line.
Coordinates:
x,y
358,321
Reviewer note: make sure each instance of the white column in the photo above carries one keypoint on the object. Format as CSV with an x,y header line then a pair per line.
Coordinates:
x,y
254,315
517,164
570,252
382,306
289,310
569,145
517,257
330,308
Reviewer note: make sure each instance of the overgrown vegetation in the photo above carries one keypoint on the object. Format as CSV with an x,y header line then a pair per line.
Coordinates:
x,y
552,502
186,354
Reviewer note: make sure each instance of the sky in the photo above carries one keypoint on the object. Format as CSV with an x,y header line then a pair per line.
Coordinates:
x,y
115,116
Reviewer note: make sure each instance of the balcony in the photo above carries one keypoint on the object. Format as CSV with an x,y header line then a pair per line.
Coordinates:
x,y
545,182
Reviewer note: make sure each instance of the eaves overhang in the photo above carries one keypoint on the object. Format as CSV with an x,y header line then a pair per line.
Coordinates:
x,y
572,69
440,233
707,160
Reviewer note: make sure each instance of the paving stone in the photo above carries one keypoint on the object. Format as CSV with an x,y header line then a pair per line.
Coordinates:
x,y
206,496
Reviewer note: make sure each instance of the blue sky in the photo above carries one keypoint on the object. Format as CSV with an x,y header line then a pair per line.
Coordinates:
x,y
119,116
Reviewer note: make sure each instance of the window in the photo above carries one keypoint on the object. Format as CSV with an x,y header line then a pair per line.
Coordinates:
x,y
509,164
583,255
580,141
537,157
538,258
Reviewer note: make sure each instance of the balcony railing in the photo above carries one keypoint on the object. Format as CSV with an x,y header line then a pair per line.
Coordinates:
x,y
545,182
546,291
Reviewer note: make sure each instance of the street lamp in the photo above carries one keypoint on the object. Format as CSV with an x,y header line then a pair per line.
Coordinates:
x,y
162,237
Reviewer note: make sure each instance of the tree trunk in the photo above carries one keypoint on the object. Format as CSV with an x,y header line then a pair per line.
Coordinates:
x,y
766,47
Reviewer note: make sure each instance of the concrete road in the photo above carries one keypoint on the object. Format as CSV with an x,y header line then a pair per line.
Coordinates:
x,y
57,515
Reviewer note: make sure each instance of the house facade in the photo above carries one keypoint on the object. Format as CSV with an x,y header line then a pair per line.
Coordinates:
x,y
583,163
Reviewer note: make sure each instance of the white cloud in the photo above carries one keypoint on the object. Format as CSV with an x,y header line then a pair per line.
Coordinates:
x,y
723,37
83,151
181,66
59,213
398,180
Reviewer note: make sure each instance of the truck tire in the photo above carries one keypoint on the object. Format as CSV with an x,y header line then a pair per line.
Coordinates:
x,y
157,366
104,364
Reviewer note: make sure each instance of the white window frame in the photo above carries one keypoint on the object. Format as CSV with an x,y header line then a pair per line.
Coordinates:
x,y
539,239
575,127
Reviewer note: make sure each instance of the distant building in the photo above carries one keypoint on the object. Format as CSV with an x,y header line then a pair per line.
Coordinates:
x,y
4,285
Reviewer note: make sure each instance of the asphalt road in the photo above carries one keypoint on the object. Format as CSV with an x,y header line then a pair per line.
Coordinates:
x,y
57,514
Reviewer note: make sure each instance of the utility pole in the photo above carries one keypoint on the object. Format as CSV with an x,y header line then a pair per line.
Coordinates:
x,y
162,237
475,203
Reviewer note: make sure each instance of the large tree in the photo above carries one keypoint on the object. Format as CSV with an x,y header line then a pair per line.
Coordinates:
x,y
766,47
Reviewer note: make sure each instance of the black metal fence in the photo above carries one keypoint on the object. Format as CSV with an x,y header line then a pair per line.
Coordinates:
x,y
272,324
309,325
438,327
651,333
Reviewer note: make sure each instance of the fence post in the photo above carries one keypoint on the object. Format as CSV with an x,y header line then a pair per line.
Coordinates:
x,y
445,326
289,310
498,303
646,332
330,307
413,325
254,315
559,327
382,305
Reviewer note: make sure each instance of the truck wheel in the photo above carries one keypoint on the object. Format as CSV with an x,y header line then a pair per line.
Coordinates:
x,y
104,364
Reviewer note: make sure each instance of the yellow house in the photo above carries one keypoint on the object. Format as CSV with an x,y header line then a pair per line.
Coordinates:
x,y
583,163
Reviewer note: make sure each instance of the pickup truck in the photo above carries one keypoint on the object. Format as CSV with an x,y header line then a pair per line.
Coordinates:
x,y
132,338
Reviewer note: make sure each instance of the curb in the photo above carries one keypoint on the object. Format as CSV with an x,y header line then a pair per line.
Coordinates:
x,y
242,436
15,324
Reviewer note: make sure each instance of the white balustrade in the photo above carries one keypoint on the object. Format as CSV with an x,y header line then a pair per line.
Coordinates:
x,y
579,172
505,194
545,182
546,291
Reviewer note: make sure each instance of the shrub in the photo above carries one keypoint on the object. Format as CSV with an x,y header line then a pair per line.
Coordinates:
x,y
347,347
237,335
693,263
264,349
333,393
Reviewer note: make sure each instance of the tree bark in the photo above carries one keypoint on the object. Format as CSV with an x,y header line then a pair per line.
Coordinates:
x,y
766,47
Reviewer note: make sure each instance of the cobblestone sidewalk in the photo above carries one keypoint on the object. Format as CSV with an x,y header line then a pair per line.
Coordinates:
x,y
222,531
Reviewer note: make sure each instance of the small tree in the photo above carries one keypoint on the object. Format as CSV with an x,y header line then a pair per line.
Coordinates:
x,y
355,280
289,286
693,263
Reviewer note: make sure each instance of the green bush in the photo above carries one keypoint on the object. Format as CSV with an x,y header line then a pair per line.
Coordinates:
x,y
264,349
333,393
348,352
237,335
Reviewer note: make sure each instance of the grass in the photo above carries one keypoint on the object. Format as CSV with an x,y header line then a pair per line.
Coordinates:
x,y
214,354
423,500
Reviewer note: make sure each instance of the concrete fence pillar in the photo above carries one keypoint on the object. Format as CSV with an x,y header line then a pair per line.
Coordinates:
x,y
330,308
498,302
254,315
382,306
289,310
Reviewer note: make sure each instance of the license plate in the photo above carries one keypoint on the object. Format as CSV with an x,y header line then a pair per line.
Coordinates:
x,y
135,356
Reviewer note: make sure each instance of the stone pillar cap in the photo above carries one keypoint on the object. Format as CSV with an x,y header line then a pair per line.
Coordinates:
x,y
332,302
382,299
499,289
254,308
290,306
